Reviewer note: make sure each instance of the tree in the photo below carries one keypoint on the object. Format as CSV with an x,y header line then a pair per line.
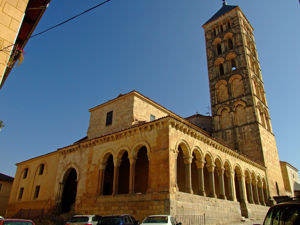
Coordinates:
x,y
1,124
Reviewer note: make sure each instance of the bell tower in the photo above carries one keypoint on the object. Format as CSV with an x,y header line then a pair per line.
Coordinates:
x,y
240,113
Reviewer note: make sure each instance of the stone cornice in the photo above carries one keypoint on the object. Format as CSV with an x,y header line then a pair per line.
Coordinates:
x,y
198,134
126,133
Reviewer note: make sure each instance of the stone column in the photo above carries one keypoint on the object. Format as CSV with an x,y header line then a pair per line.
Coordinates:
x,y
249,187
200,173
262,199
188,174
256,198
116,177
132,175
175,155
230,187
211,178
101,178
220,172
241,183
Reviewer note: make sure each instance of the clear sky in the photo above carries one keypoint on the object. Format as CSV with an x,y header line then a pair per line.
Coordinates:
x,y
156,47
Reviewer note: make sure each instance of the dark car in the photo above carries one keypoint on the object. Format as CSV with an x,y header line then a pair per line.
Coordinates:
x,y
285,213
16,222
118,220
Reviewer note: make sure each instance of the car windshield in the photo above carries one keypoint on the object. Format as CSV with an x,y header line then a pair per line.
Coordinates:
x,y
286,214
111,220
79,219
156,219
17,223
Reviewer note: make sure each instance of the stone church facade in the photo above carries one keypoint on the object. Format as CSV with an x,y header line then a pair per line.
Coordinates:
x,y
140,158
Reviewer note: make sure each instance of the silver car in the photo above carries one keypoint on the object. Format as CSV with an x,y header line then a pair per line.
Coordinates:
x,y
84,219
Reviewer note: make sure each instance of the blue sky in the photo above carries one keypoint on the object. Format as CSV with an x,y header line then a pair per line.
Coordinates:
x,y
156,47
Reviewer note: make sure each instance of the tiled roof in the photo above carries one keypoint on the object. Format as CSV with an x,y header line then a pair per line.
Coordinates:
x,y
4,177
225,9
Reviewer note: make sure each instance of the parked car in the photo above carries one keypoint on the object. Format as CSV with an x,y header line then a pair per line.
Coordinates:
x,y
287,213
160,219
118,220
84,220
16,222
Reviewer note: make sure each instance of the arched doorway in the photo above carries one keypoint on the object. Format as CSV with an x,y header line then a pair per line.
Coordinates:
x,y
69,190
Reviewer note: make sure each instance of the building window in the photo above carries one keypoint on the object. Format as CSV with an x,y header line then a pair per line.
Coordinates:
x,y
0,187
25,173
233,65
221,28
230,43
37,191
228,24
219,49
21,193
152,117
41,171
215,32
109,117
221,69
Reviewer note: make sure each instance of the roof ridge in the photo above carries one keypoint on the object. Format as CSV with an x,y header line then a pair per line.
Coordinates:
x,y
223,10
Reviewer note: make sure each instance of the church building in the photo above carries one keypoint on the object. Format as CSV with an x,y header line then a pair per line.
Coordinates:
x,y
140,158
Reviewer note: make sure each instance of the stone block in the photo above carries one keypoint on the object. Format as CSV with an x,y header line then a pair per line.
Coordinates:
x,y
13,12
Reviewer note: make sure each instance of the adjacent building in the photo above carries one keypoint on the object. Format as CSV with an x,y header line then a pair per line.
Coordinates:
x,y
140,158
5,187
290,179
18,19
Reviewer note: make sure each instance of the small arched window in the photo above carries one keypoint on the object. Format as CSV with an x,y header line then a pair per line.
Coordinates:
x,y
215,31
25,173
41,170
230,43
221,69
219,49
233,65
221,28
228,24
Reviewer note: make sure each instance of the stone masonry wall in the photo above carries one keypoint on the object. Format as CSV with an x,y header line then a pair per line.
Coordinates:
x,y
272,162
139,206
143,110
11,16
46,198
122,117
216,211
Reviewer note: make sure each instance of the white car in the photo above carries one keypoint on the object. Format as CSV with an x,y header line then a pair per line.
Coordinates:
x,y
84,219
160,219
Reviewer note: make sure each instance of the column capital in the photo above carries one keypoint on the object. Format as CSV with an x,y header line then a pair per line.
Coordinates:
x,y
200,163
102,166
220,171
188,159
117,163
132,159
211,167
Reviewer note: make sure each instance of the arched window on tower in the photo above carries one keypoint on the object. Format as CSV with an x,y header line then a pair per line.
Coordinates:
x,y
221,28
233,65
221,69
230,44
219,49
215,31
228,24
